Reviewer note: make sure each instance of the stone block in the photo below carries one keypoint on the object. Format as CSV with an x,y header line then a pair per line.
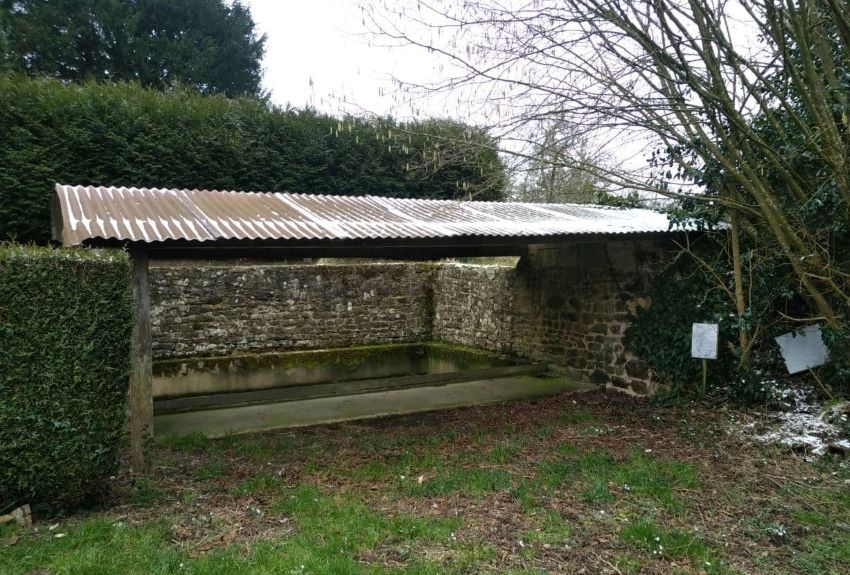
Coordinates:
x,y
637,369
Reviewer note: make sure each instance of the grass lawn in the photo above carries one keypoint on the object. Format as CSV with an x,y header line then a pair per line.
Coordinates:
x,y
594,483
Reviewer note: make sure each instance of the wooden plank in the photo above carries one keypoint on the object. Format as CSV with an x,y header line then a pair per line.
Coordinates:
x,y
141,378
396,248
374,247
296,253
294,393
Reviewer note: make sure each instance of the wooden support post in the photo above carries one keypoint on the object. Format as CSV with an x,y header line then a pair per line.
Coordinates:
x,y
141,379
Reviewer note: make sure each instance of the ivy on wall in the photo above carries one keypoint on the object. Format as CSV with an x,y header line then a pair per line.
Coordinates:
x,y
697,286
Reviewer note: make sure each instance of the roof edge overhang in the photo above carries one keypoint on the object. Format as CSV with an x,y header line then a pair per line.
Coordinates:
x,y
418,248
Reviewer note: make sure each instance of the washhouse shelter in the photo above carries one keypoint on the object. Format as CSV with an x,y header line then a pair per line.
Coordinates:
x,y
237,330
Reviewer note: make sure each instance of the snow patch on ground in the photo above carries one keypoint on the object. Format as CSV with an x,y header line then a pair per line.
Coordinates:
x,y
805,428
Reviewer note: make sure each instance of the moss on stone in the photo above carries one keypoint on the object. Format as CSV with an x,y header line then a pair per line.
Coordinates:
x,y
453,351
347,357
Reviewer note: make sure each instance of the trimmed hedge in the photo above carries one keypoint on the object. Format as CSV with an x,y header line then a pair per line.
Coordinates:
x,y
125,135
65,327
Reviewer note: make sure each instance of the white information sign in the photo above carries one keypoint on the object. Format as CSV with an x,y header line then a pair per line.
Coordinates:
x,y
803,349
704,337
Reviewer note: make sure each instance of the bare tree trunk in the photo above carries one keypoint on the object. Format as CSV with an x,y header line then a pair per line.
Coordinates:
x,y
740,304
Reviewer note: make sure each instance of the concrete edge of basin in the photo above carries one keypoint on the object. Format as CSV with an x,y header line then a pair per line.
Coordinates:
x,y
319,411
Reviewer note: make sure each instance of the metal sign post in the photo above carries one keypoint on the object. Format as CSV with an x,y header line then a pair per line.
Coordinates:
x,y
704,343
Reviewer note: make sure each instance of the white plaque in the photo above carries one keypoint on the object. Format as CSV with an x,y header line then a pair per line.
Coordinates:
x,y
803,349
704,337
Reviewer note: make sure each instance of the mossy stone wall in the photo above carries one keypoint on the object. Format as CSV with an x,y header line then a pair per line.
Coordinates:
x,y
565,304
203,310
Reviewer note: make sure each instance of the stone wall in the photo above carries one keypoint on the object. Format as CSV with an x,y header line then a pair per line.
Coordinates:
x,y
563,304
474,306
199,310
567,305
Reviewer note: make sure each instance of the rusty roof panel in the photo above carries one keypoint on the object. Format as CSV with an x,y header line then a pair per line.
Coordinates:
x,y
159,215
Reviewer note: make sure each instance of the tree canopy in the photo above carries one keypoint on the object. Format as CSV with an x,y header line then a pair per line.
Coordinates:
x,y
743,108
558,167
210,45
4,46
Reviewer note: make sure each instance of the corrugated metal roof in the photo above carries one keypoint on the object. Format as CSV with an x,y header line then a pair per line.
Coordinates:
x,y
157,215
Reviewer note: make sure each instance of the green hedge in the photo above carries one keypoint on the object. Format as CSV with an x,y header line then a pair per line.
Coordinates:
x,y
65,324
124,135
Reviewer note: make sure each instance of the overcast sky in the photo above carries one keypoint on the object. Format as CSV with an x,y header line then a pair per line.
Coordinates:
x,y
322,41
318,54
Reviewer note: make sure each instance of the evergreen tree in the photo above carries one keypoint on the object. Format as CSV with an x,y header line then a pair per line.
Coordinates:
x,y
207,44
123,135
4,46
